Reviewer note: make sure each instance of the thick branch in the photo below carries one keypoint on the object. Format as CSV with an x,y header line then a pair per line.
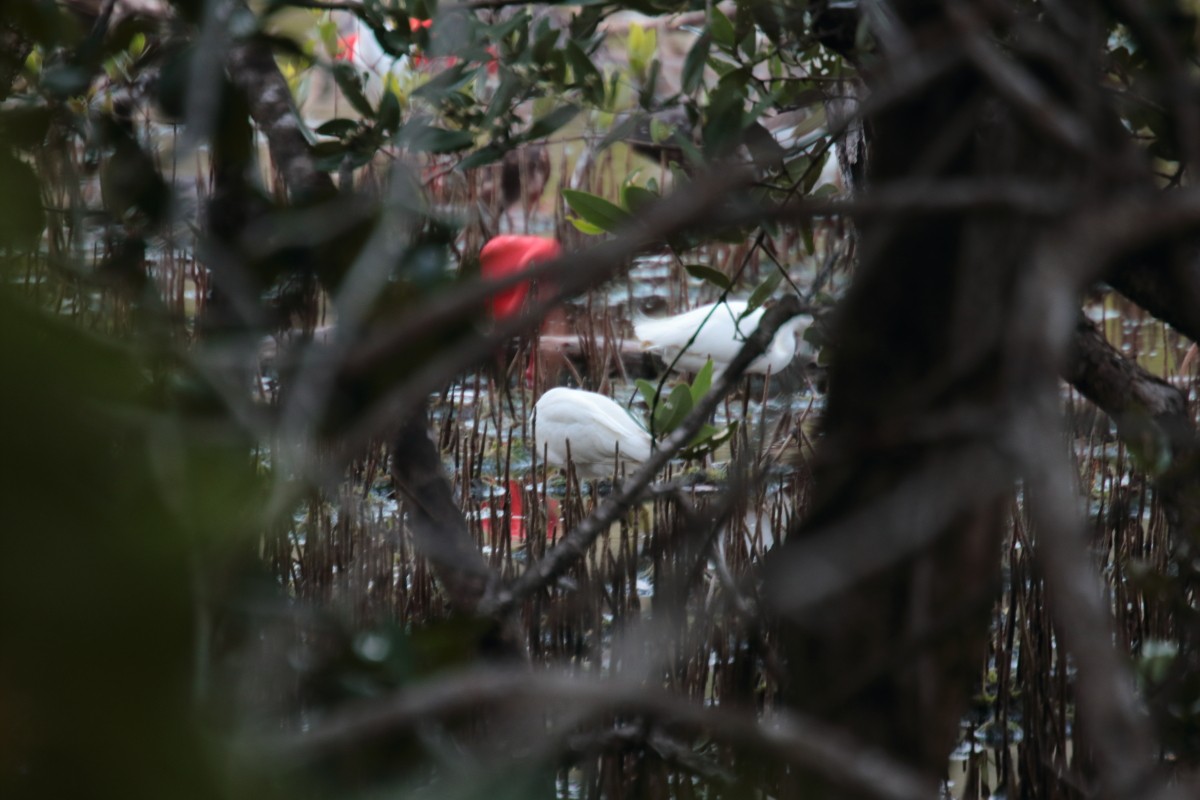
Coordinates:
x,y
438,527
1167,285
252,68
1150,414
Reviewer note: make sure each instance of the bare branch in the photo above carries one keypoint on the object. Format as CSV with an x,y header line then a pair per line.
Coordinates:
x,y
790,737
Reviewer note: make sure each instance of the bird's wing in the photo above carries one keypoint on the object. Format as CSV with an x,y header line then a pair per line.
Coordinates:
x,y
673,331
610,423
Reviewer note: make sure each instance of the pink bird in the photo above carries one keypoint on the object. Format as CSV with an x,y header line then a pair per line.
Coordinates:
x,y
512,254
517,523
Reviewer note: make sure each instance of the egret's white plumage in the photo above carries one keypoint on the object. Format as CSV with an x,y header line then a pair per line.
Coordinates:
x,y
720,331
598,429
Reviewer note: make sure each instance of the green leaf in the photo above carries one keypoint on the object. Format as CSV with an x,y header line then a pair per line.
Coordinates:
x,y
722,30
748,42
502,102
388,118
710,275
585,227
348,80
703,381
554,67
693,64
660,131
545,40
430,139
649,392
763,291
634,47
635,198
648,94
328,33
545,125
724,118
596,210
671,413
707,440
446,81
484,155
806,230
587,77
339,127
621,131
764,15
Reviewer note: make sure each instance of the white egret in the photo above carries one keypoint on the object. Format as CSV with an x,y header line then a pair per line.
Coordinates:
x,y
720,331
599,432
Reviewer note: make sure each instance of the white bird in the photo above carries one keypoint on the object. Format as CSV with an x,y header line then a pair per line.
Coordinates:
x,y
599,431
720,331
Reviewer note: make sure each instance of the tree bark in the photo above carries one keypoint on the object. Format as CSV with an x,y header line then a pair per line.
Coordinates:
x,y
1151,416
1165,282
917,387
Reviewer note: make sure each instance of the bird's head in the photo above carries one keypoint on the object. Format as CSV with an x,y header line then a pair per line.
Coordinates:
x,y
505,255
795,329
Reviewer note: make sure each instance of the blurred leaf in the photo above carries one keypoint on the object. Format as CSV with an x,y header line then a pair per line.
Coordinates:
x,y
648,94
635,198
107,577
388,118
430,139
703,381
721,29
448,80
766,18
694,63
502,101
640,48
724,118
708,439
339,127
349,81
587,77
710,275
585,227
24,126
483,156
545,41
22,218
545,125
65,80
763,291
621,131
596,210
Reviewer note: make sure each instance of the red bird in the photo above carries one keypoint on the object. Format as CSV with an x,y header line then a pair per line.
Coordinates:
x,y
512,254
508,255
517,528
